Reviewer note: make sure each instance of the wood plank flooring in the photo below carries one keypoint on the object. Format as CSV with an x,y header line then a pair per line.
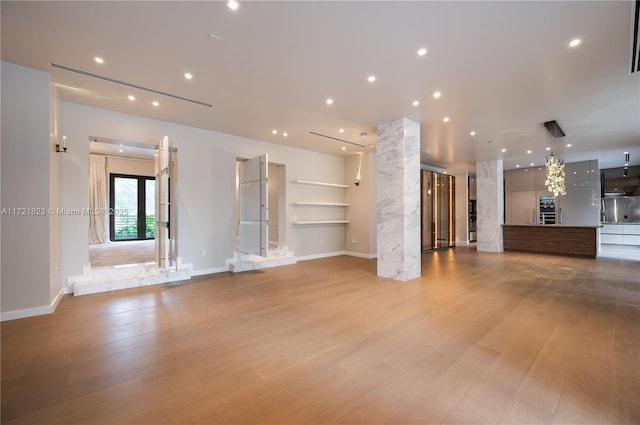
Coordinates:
x,y
480,338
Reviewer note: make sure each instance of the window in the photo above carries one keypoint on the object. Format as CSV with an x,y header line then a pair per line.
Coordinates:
x,y
132,202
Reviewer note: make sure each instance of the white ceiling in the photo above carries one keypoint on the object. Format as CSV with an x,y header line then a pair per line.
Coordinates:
x,y
503,69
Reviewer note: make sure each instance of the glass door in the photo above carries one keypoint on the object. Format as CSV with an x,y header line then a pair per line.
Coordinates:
x,y
132,207
441,210
166,223
253,206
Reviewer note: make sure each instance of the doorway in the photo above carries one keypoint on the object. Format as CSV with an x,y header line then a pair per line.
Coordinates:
x,y
126,231
437,210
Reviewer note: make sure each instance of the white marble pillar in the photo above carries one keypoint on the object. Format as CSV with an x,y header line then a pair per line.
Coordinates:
x,y
490,205
398,207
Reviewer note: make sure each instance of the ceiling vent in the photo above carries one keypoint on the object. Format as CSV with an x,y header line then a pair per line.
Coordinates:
x,y
635,38
127,84
335,138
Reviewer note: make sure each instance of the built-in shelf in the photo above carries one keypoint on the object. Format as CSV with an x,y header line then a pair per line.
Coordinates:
x,y
344,186
329,203
322,222
320,203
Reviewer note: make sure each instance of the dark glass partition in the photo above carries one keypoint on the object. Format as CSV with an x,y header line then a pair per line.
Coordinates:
x,y
427,213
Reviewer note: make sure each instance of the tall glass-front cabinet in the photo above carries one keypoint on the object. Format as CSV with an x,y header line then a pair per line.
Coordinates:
x,y
438,210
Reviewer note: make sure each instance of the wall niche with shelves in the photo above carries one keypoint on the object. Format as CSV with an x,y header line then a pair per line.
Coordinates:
x,y
330,209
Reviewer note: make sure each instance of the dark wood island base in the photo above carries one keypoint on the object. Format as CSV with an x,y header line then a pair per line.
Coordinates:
x,y
580,241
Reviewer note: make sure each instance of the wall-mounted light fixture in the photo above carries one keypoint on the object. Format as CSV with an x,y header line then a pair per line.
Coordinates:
x,y
62,147
357,182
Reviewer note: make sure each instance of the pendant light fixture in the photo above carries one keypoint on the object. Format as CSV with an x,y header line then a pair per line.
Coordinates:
x,y
555,177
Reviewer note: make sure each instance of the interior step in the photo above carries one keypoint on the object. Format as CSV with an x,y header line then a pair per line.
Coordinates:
x,y
104,279
247,262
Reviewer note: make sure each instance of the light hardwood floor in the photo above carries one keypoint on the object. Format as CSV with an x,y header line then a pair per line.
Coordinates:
x,y
480,338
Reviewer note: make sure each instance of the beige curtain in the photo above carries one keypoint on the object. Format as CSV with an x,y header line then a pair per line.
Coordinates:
x,y
98,219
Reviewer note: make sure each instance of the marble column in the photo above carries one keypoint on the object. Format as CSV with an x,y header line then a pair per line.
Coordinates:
x,y
398,206
490,205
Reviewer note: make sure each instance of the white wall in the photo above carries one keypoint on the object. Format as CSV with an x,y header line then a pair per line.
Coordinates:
x,y
373,204
274,201
359,213
206,185
462,208
26,151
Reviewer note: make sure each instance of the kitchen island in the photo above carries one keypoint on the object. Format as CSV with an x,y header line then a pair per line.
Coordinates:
x,y
580,241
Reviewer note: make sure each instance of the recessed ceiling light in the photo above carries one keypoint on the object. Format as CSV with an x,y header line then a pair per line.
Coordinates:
x,y
529,151
188,76
155,103
344,148
120,150
341,130
531,164
445,119
569,145
548,148
233,4
274,131
329,101
444,172
422,51
285,134
121,145
575,42
415,103
503,150
472,133
437,94
131,97
98,59
371,78
517,165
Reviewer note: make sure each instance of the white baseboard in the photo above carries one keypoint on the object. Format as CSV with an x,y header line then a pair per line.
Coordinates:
x,y
56,300
34,311
360,255
203,272
318,256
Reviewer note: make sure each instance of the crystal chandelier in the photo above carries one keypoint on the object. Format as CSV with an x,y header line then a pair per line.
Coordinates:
x,y
555,176
554,180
